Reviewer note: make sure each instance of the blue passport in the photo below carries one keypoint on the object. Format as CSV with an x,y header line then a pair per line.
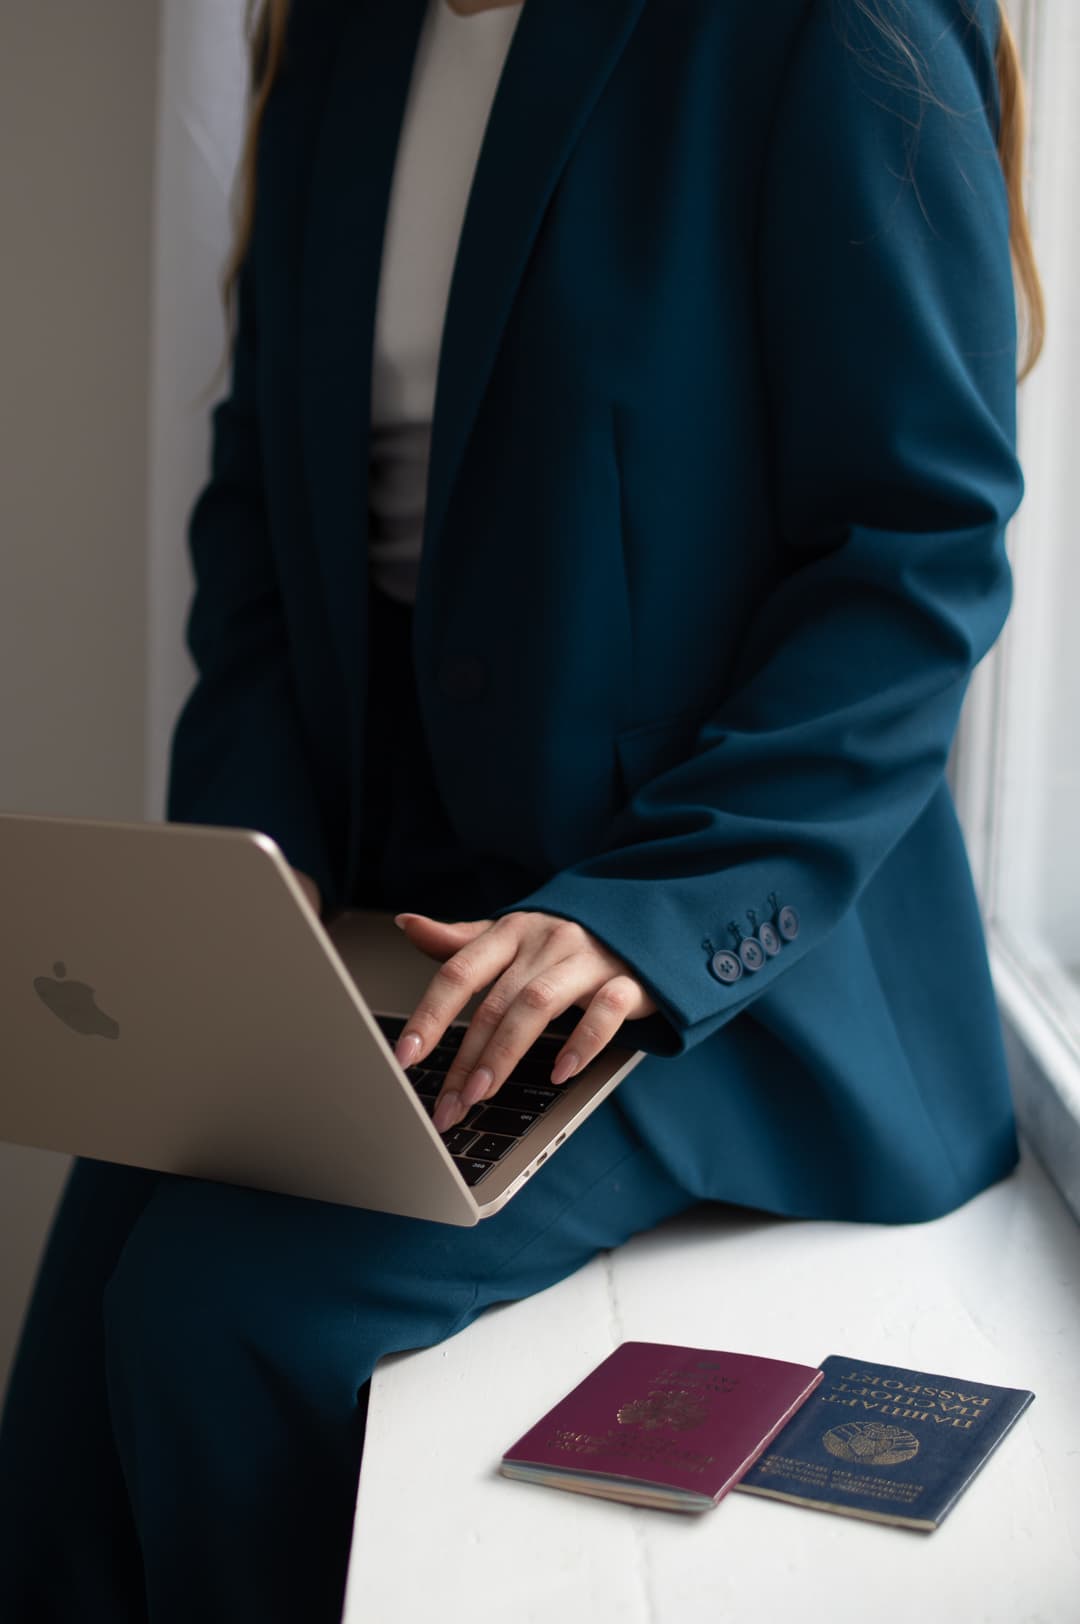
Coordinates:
x,y
878,1441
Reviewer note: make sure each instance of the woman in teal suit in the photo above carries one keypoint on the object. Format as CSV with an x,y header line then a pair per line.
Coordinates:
x,y
721,459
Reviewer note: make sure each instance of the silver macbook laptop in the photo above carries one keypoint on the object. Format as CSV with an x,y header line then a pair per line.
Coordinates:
x,y
169,999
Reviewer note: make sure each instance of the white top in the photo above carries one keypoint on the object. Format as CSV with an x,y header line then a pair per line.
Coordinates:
x,y
457,67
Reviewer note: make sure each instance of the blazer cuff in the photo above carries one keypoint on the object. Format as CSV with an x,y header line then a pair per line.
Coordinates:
x,y
656,927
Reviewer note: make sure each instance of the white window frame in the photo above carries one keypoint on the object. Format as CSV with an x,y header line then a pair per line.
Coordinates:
x,y
1039,1001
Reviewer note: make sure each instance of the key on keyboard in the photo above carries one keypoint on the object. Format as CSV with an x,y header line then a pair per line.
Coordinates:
x,y
486,1132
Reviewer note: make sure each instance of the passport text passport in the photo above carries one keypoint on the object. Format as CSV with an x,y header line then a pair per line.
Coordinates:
x,y
889,1444
659,1425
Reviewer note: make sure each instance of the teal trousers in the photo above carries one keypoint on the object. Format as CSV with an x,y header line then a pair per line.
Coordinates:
x,y
184,1425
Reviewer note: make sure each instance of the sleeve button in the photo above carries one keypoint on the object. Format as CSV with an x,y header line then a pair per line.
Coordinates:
x,y
725,966
752,953
787,923
769,939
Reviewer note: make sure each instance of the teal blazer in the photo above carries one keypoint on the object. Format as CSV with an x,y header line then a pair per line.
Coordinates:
x,y
722,457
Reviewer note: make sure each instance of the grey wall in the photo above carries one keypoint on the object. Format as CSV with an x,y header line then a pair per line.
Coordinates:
x,y
202,85
78,97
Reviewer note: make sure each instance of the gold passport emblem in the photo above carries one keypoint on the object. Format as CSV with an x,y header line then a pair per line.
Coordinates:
x,y
871,1443
674,1409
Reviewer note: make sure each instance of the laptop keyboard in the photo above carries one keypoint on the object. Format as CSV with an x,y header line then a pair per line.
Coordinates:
x,y
487,1131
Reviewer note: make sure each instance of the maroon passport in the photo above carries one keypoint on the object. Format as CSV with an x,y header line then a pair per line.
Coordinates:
x,y
658,1425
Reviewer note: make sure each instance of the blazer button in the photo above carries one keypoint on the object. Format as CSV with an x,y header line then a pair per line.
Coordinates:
x,y
769,939
725,966
752,953
787,923
463,676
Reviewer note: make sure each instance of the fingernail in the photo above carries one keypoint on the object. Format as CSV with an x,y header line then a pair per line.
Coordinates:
x,y
477,1085
565,1064
448,1111
408,1047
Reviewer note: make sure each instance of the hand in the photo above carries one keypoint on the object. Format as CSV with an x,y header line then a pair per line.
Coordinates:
x,y
535,966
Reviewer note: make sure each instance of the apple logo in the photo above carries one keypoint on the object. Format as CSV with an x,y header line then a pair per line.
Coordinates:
x,y
73,1002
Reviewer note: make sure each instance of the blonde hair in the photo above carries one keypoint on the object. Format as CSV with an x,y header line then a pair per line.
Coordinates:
x,y
1012,149
1012,141
266,22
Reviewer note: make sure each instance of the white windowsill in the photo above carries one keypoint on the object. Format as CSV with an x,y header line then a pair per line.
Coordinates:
x,y
1044,1066
990,1292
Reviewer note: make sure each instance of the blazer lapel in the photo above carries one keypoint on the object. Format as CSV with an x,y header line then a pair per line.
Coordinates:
x,y
560,55
349,192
